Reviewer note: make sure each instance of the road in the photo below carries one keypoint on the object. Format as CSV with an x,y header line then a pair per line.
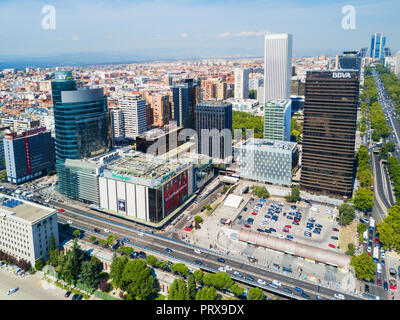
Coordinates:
x,y
153,243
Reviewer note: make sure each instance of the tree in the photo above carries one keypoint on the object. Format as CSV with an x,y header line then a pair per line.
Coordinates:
x,y
92,239
220,280
180,268
363,199
52,243
178,290
138,281
76,233
236,290
198,274
192,287
104,285
152,260
365,178
346,214
361,228
243,120
207,293
198,219
125,250
111,239
39,264
389,229
255,294
252,94
260,191
90,274
294,195
351,249
364,266
117,266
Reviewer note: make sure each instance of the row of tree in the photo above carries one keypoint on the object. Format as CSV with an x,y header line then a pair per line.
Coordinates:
x,y
391,83
260,191
394,172
363,198
244,120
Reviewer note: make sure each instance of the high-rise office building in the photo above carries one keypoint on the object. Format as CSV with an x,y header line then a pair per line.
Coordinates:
x,y
330,121
82,122
185,95
363,52
83,127
277,66
277,117
398,64
242,83
378,41
214,129
28,155
387,52
134,113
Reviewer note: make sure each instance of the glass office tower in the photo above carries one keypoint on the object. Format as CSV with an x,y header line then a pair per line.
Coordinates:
x,y
82,125
330,122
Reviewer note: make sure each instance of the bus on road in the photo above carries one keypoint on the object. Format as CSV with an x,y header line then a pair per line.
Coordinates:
x,y
375,255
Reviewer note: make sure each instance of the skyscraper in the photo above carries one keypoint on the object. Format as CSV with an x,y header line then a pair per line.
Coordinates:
x,y
82,122
214,129
184,95
378,41
82,127
277,66
277,118
350,60
242,83
330,121
134,114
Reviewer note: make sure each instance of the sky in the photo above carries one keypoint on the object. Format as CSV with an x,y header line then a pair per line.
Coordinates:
x,y
190,28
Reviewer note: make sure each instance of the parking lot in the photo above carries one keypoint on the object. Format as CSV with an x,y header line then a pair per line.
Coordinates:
x,y
313,225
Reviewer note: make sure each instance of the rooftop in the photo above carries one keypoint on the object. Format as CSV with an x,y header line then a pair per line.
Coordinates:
x,y
22,209
269,144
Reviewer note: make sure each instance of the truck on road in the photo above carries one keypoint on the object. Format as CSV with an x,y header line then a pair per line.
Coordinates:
x,y
375,255
365,235
371,224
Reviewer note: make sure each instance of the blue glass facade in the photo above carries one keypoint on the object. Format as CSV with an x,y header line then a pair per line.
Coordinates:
x,y
82,121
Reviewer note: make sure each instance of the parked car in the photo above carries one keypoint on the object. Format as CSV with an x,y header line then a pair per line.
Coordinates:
x,y
221,269
260,281
339,296
238,274
250,278
332,246
67,294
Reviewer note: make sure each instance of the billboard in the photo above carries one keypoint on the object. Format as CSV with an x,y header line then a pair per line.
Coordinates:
x,y
175,192
121,205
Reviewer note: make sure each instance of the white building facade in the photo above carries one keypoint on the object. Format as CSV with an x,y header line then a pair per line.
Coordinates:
x,y
133,109
242,83
277,66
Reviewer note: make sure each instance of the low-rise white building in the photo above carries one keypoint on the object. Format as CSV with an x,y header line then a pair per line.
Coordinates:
x,y
26,228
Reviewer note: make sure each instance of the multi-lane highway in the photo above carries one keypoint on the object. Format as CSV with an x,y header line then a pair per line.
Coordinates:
x,y
154,243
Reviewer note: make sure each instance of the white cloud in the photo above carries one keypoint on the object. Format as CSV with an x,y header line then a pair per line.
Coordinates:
x,y
243,34
184,35
75,38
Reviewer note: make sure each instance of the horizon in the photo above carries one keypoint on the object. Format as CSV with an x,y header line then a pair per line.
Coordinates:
x,y
184,29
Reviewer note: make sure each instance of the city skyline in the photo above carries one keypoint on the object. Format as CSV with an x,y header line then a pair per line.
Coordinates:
x,y
126,31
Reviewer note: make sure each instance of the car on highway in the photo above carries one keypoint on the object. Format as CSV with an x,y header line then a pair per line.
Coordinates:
x,y
221,260
238,274
300,290
287,290
168,250
272,285
277,283
382,262
198,262
106,230
305,296
385,286
378,268
339,296
260,281
126,239
197,251
67,294
61,210
369,249
332,246
228,268
96,230
69,222
249,278
221,269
